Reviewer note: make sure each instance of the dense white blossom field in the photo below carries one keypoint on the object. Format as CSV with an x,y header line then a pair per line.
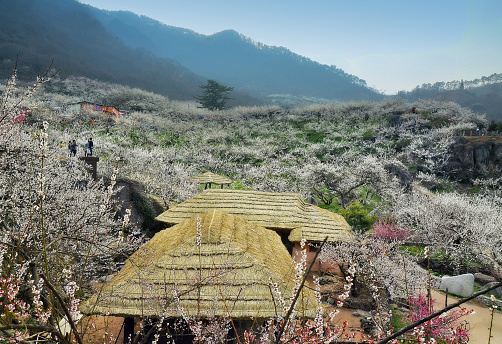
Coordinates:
x,y
60,230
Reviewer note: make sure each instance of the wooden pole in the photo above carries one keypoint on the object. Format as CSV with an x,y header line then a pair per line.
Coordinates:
x,y
446,299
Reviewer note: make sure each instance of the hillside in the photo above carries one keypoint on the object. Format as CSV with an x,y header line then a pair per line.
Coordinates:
x,y
123,48
483,96
66,32
236,60
355,158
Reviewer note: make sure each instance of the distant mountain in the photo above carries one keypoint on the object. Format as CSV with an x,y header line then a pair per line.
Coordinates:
x,y
124,48
236,60
67,31
482,95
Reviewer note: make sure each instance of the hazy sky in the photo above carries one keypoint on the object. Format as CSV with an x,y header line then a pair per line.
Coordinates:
x,y
392,44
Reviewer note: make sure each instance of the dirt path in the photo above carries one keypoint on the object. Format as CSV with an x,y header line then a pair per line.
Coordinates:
x,y
479,321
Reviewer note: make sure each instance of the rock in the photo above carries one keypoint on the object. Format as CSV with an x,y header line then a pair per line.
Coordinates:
x,y
462,285
144,208
356,314
367,324
312,200
482,278
405,178
331,301
488,302
374,212
497,292
354,304
481,154
474,155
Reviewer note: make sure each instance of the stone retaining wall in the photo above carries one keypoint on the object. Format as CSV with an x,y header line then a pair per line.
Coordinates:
x,y
486,301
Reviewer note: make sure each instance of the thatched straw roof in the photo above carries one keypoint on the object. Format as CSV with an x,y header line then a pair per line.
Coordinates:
x,y
272,210
227,275
211,178
322,223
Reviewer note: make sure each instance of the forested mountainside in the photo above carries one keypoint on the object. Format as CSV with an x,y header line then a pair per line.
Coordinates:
x,y
237,60
482,95
137,51
67,33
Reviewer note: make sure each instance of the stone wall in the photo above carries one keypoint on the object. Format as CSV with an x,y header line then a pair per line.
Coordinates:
x,y
486,301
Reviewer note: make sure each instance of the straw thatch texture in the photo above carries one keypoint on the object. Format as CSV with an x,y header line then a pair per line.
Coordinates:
x,y
211,178
280,211
227,275
322,223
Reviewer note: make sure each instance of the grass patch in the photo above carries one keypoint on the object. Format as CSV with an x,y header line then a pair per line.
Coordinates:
x,y
473,190
398,320
413,250
237,185
331,207
369,135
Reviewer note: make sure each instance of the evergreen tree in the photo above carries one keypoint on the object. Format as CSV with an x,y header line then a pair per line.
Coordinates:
x,y
215,95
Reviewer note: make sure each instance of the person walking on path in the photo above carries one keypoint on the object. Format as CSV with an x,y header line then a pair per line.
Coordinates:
x,y
90,146
73,148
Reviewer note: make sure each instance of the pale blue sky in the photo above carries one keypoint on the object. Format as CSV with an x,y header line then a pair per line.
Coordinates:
x,y
392,44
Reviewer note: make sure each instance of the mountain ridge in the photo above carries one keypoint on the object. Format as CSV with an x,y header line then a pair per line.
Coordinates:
x,y
122,47
66,32
482,95
248,64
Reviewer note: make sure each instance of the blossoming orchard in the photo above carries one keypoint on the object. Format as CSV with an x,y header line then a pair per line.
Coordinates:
x,y
411,215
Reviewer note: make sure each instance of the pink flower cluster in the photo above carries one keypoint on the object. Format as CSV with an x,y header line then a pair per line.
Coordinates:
x,y
126,217
319,320
9,288
199,232
444,327
70,290
389,230
277,294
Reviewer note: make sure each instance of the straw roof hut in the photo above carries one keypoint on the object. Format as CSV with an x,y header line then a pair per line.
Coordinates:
x,y
322,223
284,212
209,178
228,274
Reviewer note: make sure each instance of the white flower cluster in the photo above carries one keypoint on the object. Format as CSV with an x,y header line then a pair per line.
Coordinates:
x,y
199,232
346,287
126,217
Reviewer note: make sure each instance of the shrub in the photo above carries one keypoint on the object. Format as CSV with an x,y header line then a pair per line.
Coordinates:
x,y
358,217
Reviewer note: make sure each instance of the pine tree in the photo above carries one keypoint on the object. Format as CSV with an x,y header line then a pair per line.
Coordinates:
x,y
214,96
